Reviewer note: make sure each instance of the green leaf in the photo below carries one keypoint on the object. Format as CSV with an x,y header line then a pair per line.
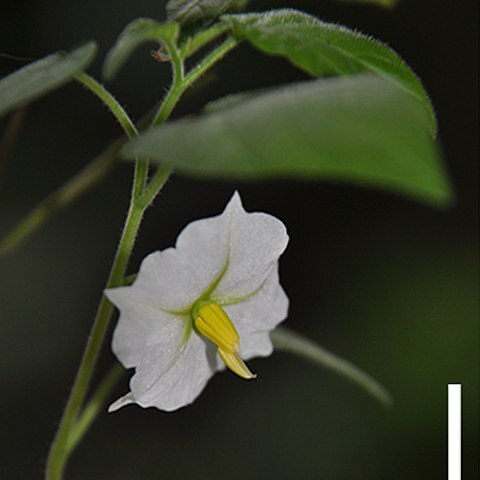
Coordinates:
x,y
326,49
358,129
379,3
139,31
43,76
191,11
232,100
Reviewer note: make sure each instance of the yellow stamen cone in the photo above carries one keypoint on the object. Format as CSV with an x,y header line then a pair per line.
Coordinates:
x,y
236,364
213,323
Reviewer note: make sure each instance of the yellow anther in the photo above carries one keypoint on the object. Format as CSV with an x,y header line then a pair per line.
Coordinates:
x,y
236,364
213,323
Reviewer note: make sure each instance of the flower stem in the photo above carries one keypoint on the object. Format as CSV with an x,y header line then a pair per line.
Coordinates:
x,y
60,447
176,90
182,82
141,165
109,100
211,59
151,191
202,38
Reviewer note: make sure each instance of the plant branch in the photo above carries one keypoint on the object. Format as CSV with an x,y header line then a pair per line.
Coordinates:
x,y
209,61
9,137
59,452
92,174
202,38
291,342
161,175
141,198
182,82
93,407
109,100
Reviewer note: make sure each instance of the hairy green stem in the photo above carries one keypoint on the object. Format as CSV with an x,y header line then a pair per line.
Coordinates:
x,y
59,451
176,90
202,38
62,445
209,61
141,165
152,189
109,100
142,196
182,82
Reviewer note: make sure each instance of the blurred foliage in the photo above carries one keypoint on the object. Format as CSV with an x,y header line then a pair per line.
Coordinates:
x,y
390,285
38,78
191,11
325,49
359,129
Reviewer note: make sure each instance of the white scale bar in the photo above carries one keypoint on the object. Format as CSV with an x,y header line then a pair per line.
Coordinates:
x,y
454,431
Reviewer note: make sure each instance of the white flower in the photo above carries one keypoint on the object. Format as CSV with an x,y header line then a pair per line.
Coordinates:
x,y
211,299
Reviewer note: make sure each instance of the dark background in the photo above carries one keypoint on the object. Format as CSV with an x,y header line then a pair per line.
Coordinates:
x,y
385,282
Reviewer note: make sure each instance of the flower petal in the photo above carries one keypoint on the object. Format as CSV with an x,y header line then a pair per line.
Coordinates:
x,y
180,383
178,276
263,310
143,328
175,277
257,315
237,248
173,364
127,399
255,241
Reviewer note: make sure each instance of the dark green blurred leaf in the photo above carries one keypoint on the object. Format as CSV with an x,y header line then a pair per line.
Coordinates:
x,y
380,3
327,49
43,76
190,11
139,31
359,129
233,100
